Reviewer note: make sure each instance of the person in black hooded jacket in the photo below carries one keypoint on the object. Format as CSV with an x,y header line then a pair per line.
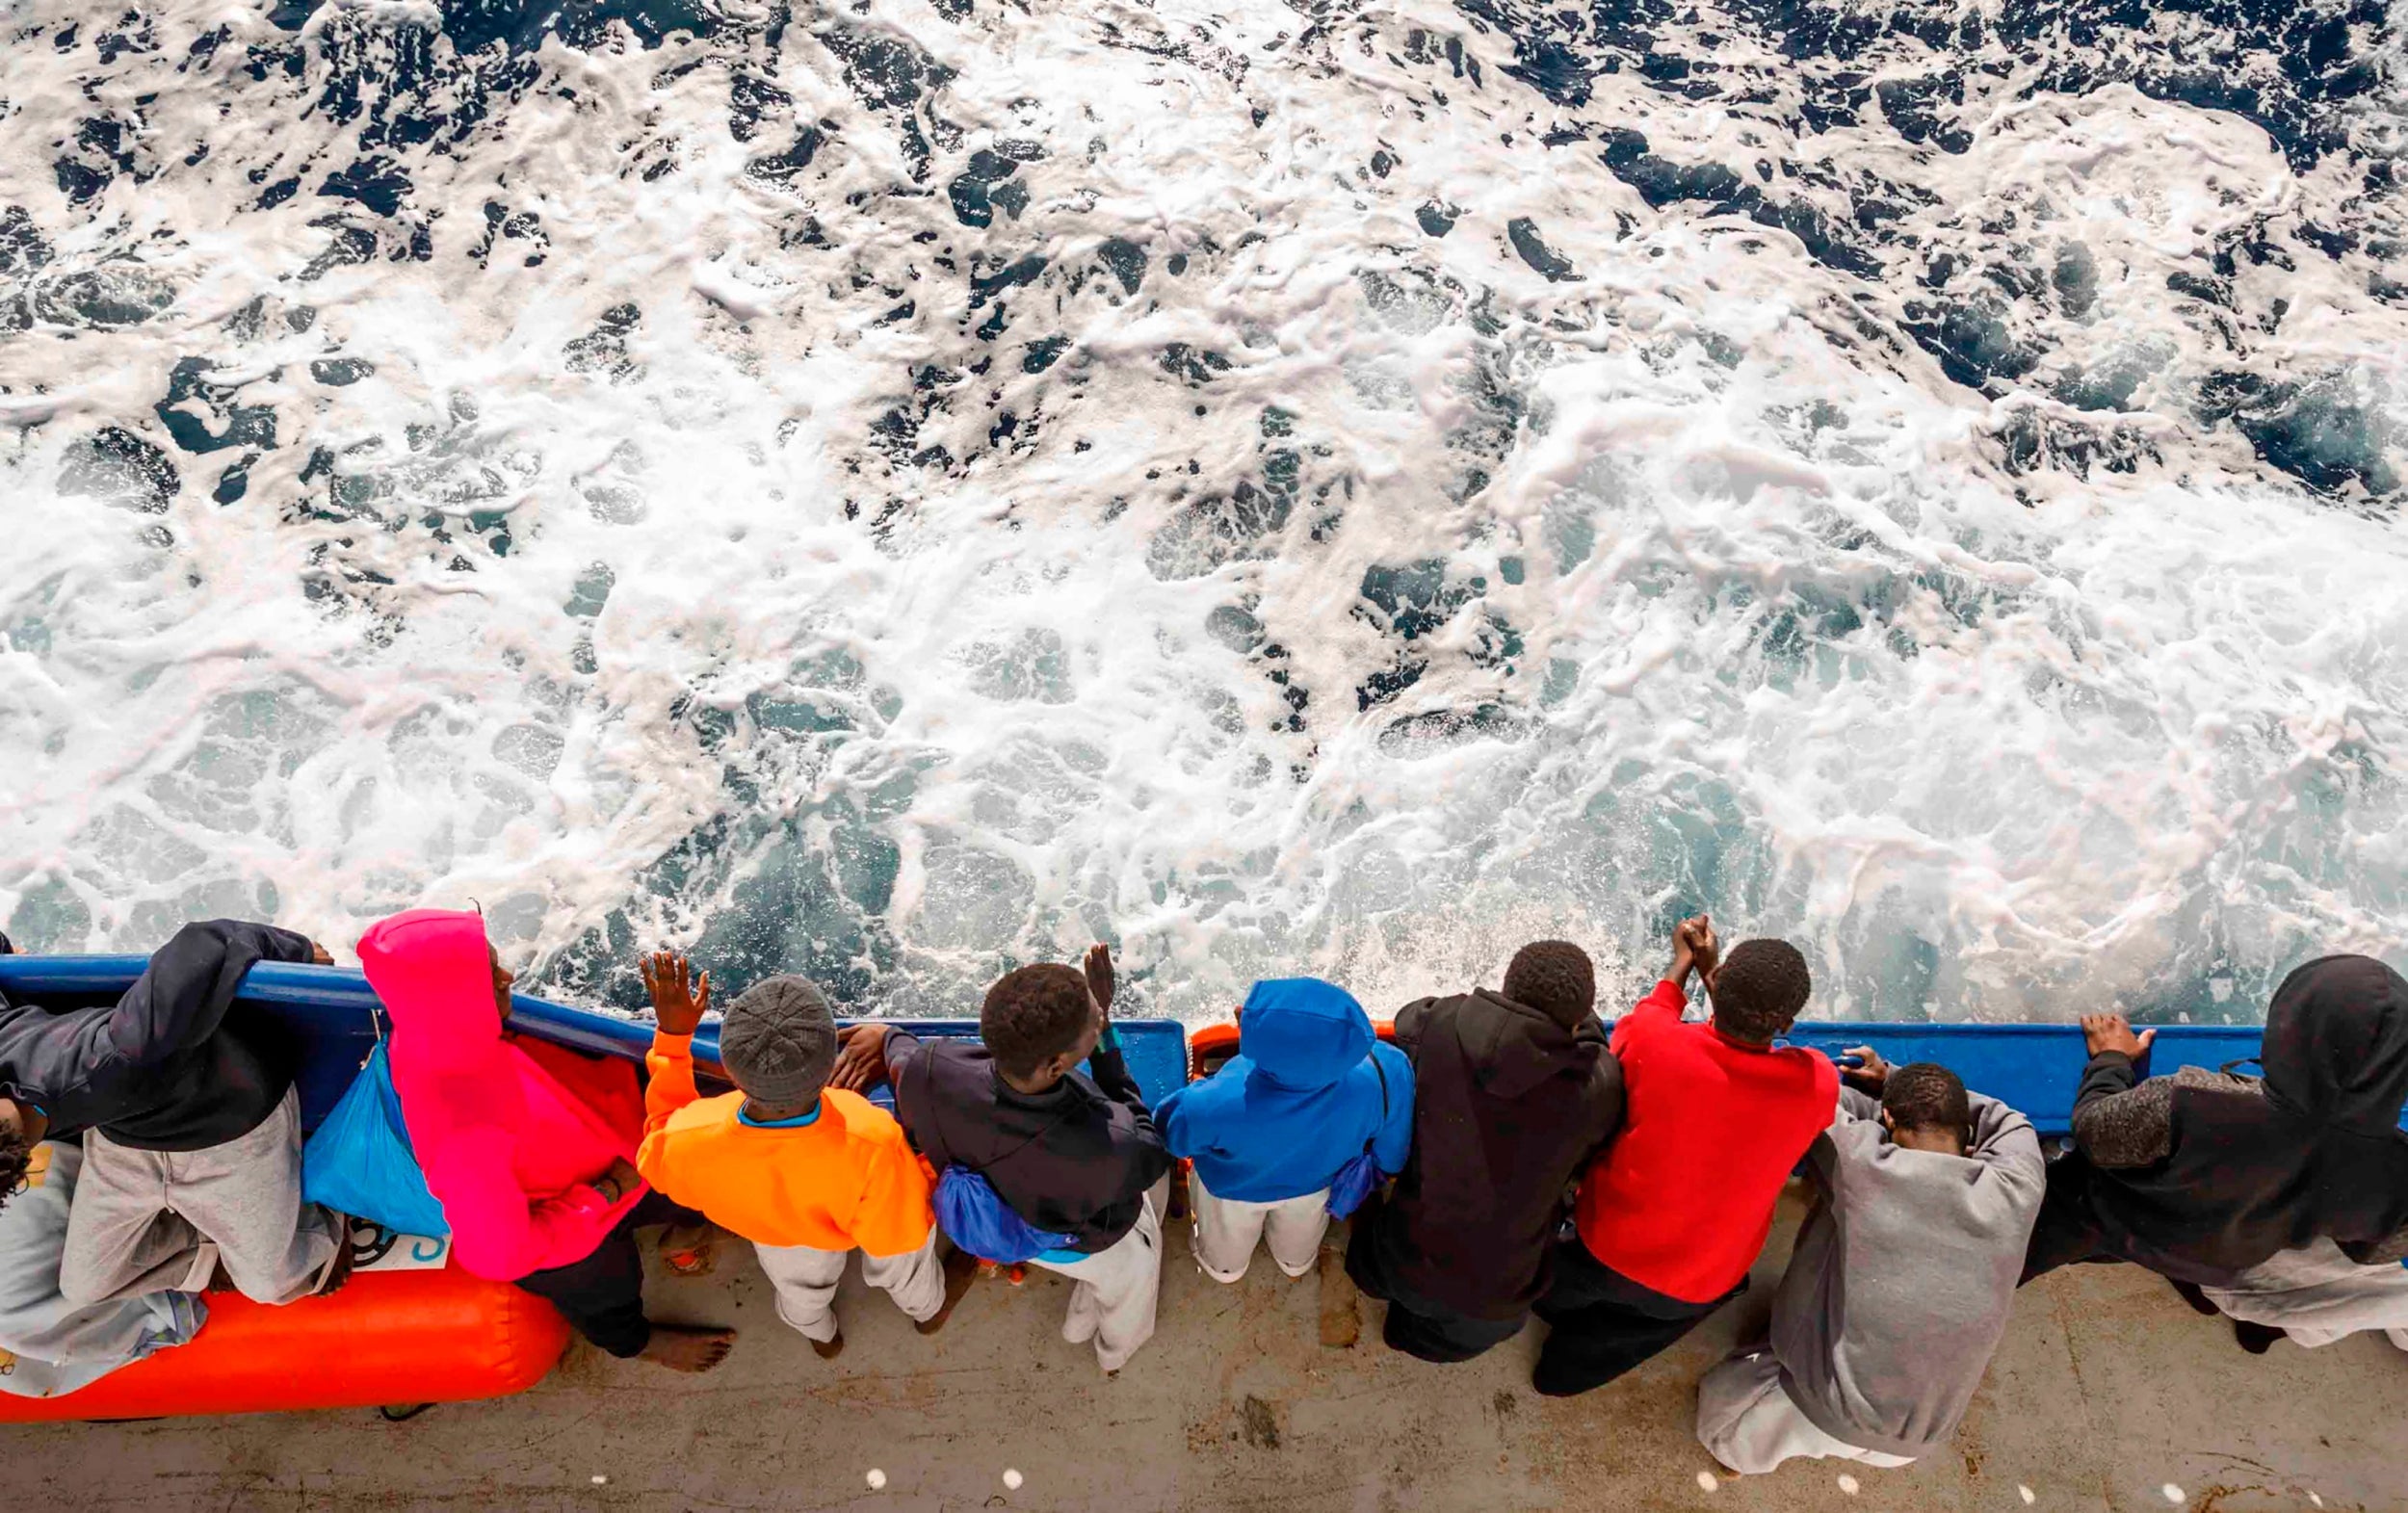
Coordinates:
x,y
1514,1092
190,1128
2203,1175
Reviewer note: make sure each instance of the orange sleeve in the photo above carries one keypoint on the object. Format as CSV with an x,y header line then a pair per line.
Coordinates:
x,y
894,1213
670,1061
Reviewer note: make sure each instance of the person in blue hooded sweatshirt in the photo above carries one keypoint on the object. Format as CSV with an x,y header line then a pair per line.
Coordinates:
x,y
1311,1089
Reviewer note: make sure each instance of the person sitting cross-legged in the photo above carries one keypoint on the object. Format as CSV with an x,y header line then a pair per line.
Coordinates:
x,y
808,1173
1900,1282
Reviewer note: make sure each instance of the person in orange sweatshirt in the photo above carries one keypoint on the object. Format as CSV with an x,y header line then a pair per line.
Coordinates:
x,y
808,1173
1714,1118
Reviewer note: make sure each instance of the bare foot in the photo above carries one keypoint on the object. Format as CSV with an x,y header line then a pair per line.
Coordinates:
x,y
829,1349
685,1347
961,1269
690,1250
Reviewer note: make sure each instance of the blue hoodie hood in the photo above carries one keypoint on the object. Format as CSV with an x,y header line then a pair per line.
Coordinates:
x,y
1311,1087
1303,1034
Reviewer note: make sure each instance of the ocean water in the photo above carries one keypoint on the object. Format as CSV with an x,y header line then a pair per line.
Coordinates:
x,y
895,489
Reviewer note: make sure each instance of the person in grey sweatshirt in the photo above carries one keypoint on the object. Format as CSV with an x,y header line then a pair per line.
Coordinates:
x,y
1901,1282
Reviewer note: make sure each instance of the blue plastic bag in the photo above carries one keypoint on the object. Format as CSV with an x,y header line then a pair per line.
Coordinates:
x,y
976,1219
1357,1179
360,1162
1354,1183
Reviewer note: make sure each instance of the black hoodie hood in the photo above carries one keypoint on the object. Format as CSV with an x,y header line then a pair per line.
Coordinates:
x,y
2336,1048
2315,1150
1513,1047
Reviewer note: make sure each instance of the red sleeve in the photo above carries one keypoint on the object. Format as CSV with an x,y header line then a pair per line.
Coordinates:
x,y
1662,1007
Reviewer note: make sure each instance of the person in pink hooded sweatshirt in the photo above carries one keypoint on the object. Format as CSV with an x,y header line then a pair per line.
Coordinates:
x,y
540,1189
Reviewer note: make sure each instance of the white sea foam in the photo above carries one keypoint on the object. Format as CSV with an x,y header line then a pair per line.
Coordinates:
x,y
601,570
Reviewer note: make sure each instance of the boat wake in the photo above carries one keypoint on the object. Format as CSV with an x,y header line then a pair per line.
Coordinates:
x,y
891,489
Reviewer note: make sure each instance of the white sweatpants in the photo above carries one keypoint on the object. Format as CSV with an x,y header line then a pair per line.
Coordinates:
x,y
161,1221
1747,1420
2317,1294
1114,1293
807,1282
1228,1229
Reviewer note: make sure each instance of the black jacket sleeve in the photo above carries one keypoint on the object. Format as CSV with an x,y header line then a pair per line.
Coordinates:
x,y
182,996
1148,1156
1605,1101
1109,1065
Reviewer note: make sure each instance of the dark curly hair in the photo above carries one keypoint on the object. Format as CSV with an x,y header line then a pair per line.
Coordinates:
x,y
16,1159
1556,978
1033,1014
1759,988
1924,1095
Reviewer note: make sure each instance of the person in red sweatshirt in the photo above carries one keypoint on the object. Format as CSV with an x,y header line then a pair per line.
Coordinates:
x,y
1671,1217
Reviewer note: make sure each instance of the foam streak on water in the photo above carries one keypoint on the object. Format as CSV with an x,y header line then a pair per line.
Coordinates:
x,y
892,490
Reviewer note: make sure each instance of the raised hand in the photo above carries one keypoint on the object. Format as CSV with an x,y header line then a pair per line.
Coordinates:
x,y
1099,974
680,997
2115,1033
1695,949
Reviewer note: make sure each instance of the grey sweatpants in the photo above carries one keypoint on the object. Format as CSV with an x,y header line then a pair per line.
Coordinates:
x,y
1747,1420
161,1221
1228,1229
806,1281
1113,1291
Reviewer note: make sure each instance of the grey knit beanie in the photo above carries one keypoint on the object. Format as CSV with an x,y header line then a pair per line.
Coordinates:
x,y
778,1041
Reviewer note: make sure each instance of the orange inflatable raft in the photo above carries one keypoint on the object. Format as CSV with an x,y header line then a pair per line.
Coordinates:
x,y
389,1338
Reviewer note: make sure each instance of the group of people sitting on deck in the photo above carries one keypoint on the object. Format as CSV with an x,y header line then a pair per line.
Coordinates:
x,y
1506,1154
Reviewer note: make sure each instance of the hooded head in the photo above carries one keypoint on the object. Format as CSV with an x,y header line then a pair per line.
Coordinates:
x,y
435,973
1302,1033
2336,1048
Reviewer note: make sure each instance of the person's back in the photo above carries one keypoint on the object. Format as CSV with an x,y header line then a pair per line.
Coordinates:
x,y
1513,1091
2202,1175
1673,1215
1903,1275
807,1172
1074,1156
840,1178
1310,1091
190,1124
539,1185
1715,1120
172,1066
511,1156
